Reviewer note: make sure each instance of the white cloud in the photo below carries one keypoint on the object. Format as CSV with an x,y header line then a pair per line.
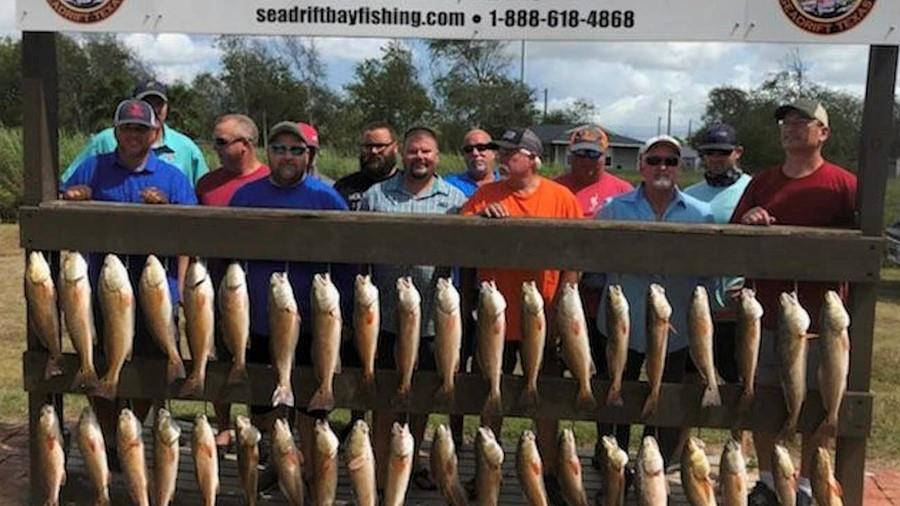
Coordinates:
x,y
174,56
355,49
7,18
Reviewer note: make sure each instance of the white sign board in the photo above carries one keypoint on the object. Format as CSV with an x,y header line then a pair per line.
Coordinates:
x,y
793,21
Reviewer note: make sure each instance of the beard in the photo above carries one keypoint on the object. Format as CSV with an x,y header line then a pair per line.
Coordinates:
x,y
377,165
663,183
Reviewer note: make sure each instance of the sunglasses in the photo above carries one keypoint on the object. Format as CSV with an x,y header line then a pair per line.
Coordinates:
x,y
375,146
590,154
656,161
717,152
220,142
490,146
281,149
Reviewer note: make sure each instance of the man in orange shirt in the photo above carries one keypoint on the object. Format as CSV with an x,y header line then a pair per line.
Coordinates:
x,y
524,193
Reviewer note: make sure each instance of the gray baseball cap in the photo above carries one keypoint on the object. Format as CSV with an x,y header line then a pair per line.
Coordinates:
x,y
809,108
521,138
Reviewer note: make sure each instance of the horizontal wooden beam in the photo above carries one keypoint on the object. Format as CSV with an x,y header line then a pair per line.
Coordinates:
x,y
679,403
583,245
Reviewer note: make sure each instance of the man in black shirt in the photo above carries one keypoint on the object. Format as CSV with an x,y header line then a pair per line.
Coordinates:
x,y
377,162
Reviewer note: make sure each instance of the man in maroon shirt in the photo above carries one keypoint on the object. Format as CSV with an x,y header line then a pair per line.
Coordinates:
x,y
234,138
806,190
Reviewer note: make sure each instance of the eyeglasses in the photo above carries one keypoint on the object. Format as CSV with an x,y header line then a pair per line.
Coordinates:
x,y
796,123
281,149
490,146
220,142
590,154
717,152
375,146
656,161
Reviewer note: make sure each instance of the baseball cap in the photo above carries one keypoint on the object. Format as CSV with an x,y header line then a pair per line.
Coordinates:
x,y
288,127
719,136
809,108
522,138
590,137
135,112
310,134
151,87
659,139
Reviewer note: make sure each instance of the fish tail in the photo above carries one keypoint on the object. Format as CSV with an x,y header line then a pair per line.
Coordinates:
x,y
614,396
711,396
85,379
238,374
828,428
193,386
174,369
493,405
650,405
54,367
585,399
529,397
106,388
322,400
283,395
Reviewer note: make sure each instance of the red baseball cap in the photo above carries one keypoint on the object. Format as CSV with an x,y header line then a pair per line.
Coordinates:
x,y
310,134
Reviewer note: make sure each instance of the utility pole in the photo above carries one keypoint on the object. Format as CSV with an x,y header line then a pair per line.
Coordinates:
x,y
522,64
669,120
545,103
690,128
658,125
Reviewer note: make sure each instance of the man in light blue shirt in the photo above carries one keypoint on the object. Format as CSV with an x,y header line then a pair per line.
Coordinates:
x,y
656,199
172,146
479,152
722,187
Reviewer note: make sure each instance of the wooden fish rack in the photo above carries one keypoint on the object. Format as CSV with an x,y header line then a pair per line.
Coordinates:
x,y
777,253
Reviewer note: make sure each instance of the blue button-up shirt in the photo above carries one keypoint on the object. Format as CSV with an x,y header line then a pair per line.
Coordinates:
x,y
112,182
391,196
310,194
634,206
465,183
173,147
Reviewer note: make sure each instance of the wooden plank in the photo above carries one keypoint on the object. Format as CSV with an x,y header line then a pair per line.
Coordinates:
x,y
679,405
878,137
584,245
41,116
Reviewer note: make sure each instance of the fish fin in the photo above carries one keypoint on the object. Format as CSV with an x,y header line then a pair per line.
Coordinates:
x,y
283,395
192,387
650,405
212,352
529,398
337,365
614,397
585,400
130,354
175,370
53,367
711,396
85,380
837,488
456,495
238,375
493,405
810,335
106,389
322,400
103,500
672,329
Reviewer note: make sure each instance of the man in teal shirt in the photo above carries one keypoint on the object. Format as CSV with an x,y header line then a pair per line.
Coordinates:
x,y
172,146
722,186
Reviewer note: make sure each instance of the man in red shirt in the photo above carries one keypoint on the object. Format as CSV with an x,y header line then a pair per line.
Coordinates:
x,y
234,138
806,190
588,179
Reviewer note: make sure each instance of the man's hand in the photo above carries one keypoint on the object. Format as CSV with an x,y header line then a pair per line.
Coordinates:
x,y
495,210
78,192
757,216
153,195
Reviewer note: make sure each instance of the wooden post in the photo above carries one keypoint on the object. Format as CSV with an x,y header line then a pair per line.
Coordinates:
x,y
877,137
41,164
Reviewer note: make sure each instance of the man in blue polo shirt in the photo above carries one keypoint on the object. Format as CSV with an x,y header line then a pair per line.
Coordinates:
x,y
480,154
658,198
171,146
131,173
290,185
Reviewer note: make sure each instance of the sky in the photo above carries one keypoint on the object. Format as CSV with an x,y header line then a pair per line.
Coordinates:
x,y
629,83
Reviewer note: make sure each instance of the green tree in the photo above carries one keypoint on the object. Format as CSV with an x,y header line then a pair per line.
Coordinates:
x,y
579,112
10,82
388,89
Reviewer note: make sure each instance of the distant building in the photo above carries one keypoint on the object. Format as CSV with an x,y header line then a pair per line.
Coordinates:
x,y
623,151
